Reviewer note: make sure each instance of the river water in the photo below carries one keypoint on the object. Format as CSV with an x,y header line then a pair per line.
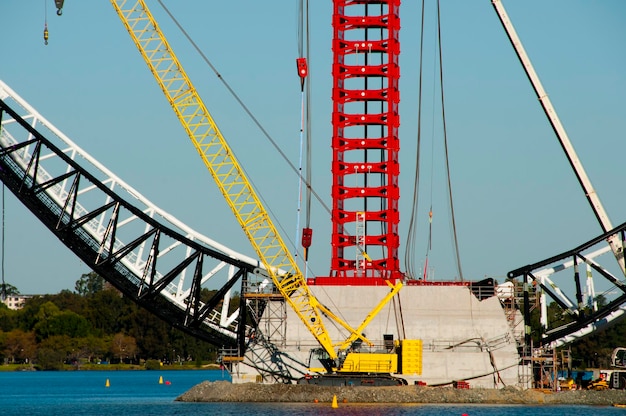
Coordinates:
x,y
135,393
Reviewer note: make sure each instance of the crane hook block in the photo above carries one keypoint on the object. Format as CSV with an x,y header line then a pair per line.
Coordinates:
x,y
45,34
307,235
303,69
59,4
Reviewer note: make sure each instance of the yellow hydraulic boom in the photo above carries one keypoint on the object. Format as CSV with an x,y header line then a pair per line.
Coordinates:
x,y
227,173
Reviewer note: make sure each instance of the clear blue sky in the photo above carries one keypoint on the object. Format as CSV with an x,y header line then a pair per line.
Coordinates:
x,y
516,199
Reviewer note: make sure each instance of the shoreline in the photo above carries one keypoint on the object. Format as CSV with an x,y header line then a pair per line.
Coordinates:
x,y
223,391
8,368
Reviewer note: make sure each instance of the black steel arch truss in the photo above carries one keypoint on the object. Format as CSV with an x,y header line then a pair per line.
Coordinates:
x,y
578,303
160,268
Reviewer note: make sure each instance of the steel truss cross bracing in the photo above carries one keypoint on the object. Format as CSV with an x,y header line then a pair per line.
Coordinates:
x,y
582,315
146,253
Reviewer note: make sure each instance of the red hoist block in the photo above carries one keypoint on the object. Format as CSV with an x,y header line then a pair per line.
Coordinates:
x,y
307,235
303,69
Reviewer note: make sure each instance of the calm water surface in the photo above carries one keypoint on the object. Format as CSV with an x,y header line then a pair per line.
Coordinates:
x,y
139,393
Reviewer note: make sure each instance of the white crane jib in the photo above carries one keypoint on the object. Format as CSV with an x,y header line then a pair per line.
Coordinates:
x,y
615,242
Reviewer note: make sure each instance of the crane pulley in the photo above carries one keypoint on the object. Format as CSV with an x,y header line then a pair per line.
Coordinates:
x,y
303,70
59,4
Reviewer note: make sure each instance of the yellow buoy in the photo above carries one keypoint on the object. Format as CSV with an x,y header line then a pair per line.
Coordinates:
x,y
107,384
160,379
334,405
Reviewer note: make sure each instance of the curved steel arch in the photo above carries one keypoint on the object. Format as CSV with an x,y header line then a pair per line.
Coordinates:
x,y
587,316
143,251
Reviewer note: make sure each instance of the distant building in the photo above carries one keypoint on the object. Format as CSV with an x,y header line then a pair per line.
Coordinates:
x,y
16,302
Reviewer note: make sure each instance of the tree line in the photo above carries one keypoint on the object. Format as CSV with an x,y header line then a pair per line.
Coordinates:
x,y
92,324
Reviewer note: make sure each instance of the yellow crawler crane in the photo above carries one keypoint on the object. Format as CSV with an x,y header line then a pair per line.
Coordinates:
x,y
242,199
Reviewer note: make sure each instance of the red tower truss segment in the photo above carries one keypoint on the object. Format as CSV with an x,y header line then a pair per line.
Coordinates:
x,y
365,142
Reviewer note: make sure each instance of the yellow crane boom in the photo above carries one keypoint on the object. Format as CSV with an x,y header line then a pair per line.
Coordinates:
x,y
223,166
230,177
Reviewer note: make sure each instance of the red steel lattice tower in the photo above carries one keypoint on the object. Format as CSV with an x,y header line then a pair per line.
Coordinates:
x,y
365,142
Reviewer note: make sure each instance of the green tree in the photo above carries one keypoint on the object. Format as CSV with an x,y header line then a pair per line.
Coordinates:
x,y
89,284
76,328
66,323
90,348
3,340
10,290
107,310
62,346
50,359
43,317
68,300
601,300
124,347
151,333
27,317
190,348
235,300
207,294
20,346
8,319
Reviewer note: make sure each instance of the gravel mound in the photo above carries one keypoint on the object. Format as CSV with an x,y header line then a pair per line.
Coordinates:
x,y
222,391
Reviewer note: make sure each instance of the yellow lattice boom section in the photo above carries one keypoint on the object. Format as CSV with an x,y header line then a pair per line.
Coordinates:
x,y
222,164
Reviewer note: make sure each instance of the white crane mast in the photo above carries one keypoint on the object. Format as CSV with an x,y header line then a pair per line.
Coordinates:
x,y
616,244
